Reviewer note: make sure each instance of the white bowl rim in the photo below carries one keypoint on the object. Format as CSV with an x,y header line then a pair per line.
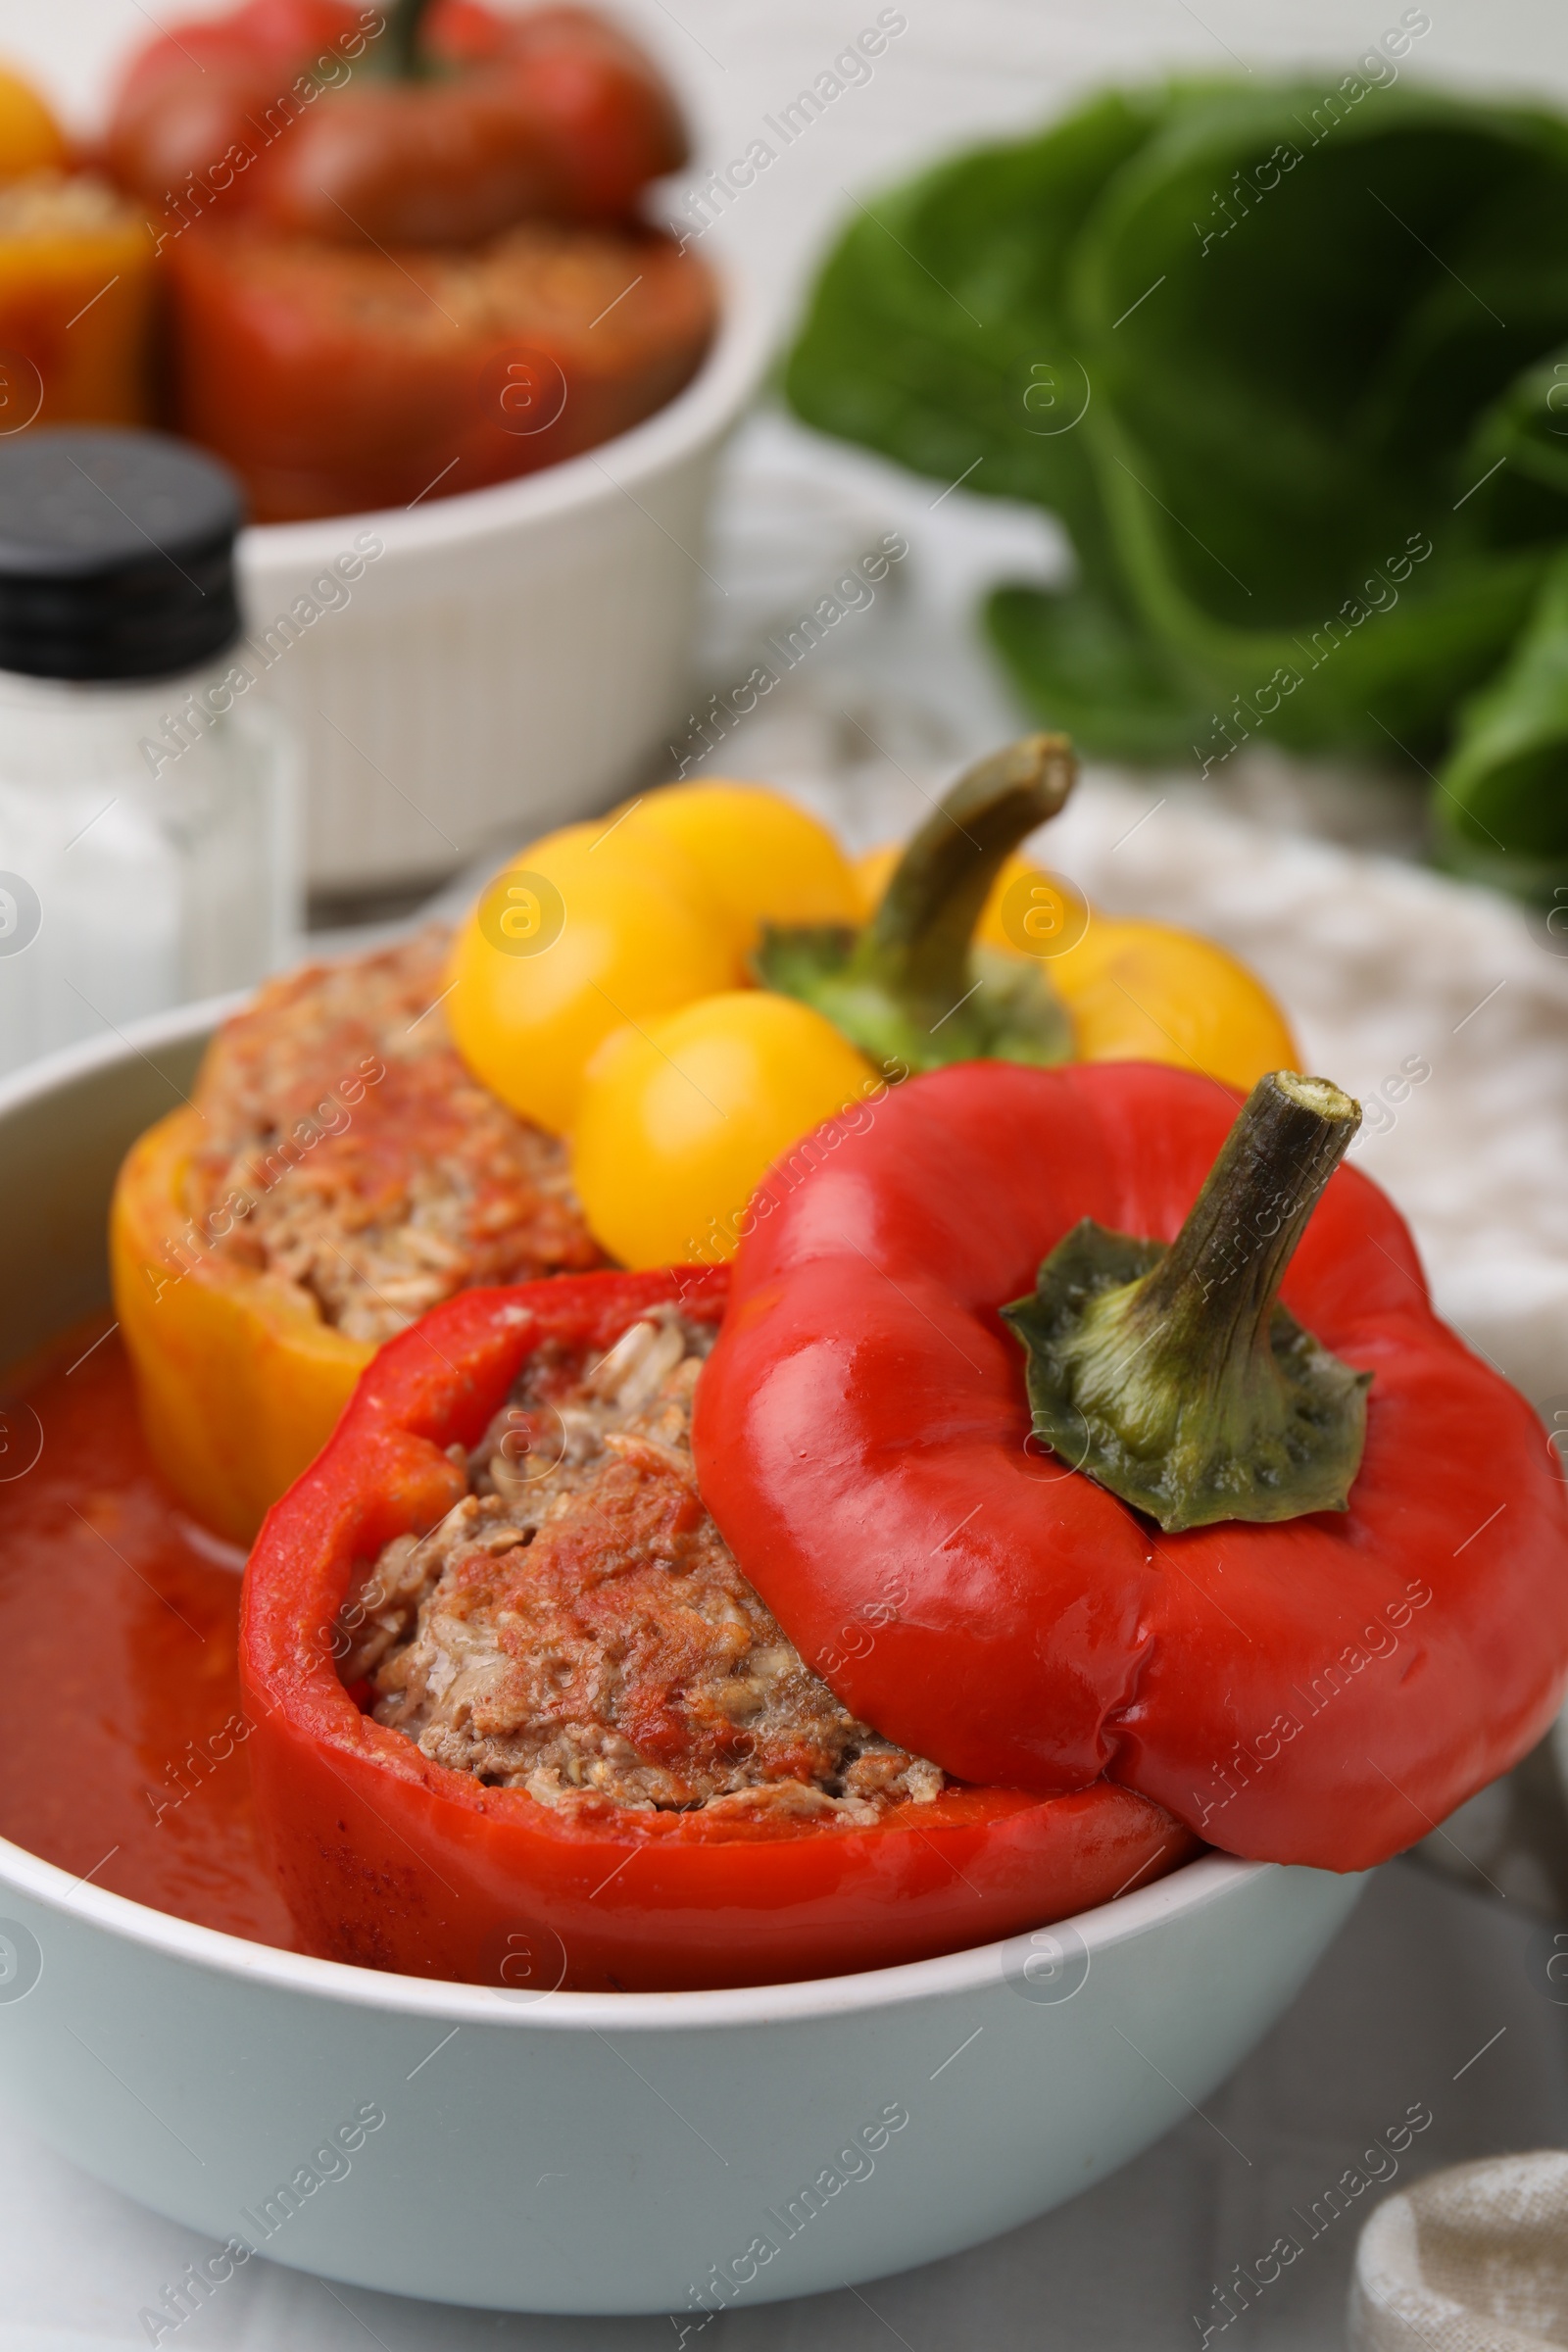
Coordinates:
x,y
709,403
182,1025
1189,1887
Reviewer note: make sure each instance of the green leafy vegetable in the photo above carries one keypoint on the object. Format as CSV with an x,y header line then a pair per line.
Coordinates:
x,y
1292,368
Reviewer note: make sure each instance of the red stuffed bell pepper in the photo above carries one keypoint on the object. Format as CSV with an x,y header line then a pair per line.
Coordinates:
x,y
396,124
1327,1599
335,378
593,1758
402,252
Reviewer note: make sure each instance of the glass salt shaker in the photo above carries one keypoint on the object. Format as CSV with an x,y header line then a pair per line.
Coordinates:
x,y
148,803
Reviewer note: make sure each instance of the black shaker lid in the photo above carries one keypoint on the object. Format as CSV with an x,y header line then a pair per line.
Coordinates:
x,y
117,553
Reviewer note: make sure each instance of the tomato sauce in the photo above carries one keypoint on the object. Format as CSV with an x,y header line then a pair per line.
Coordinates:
x,y
122,1745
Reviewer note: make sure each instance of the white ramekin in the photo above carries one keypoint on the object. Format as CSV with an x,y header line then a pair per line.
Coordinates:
x,y
579,2153
512,655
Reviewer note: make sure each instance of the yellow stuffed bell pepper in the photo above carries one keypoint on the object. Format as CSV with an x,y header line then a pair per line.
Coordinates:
x,y
239,1380
75,303
76,280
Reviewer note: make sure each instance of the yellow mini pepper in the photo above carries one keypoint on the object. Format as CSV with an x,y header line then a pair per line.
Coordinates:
x,y
680,1121
600,987
602,926
619,1012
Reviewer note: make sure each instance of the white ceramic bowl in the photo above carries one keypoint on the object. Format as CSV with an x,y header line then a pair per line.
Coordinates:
x,y
514,653
581,2152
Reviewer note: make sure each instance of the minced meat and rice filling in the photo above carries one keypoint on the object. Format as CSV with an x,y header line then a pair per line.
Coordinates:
x,y
349,1150
577,1627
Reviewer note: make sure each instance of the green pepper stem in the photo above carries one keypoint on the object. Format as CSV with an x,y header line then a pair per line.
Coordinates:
x,y
1213,1291
912,988
1173,1375
401,53
917,944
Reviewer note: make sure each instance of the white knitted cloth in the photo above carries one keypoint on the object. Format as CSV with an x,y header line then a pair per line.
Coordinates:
x,y
1470,2260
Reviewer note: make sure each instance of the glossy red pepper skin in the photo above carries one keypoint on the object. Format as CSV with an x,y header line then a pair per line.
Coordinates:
x,y
338,379
1320,1691
391,1861
194,102
281,113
